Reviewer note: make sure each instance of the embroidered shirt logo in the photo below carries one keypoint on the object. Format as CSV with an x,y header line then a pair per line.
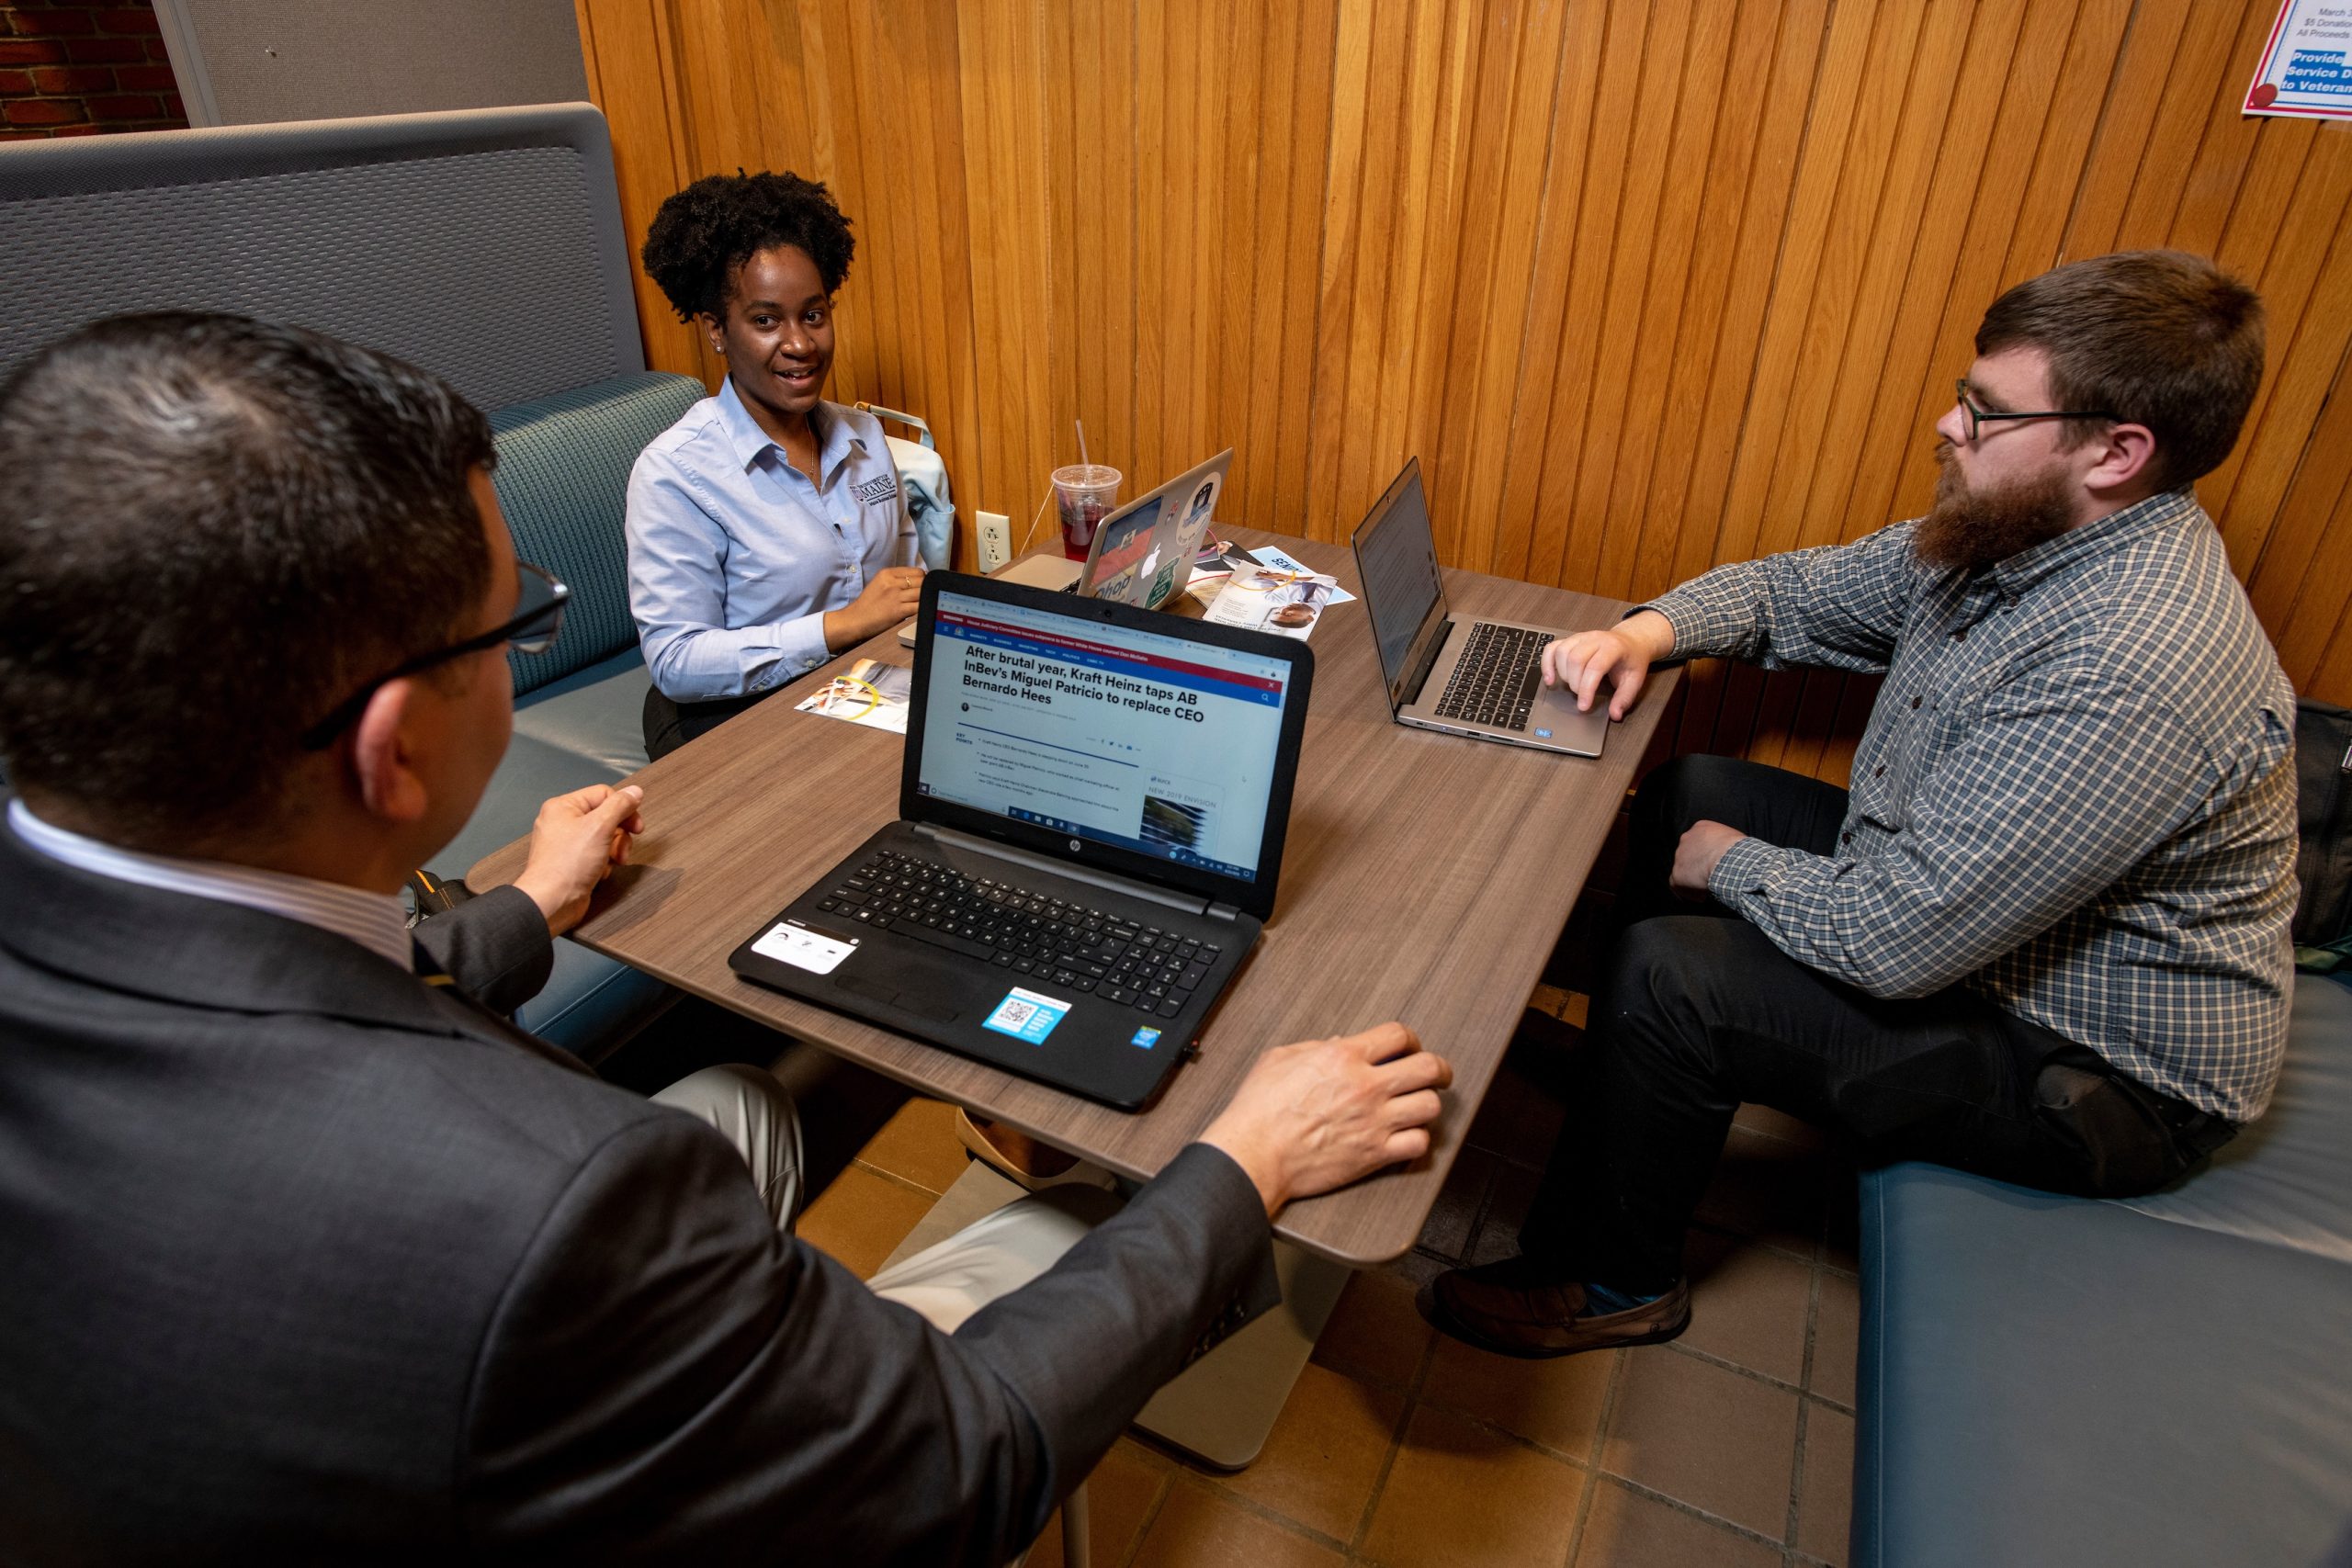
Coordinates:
x,y
874,490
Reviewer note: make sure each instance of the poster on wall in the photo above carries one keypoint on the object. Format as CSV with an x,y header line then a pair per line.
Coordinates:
x,y
2306,68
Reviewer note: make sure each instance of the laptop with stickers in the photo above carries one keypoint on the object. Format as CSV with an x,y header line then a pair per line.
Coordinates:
x,y
1092,807
1143,553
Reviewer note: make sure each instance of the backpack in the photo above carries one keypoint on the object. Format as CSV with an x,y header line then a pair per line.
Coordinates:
x,y
2322,927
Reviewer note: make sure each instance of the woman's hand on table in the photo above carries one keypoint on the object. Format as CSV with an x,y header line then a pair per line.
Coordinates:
x,y
889,597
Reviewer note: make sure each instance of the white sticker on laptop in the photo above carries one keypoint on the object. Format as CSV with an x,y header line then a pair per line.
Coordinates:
x,y
1025,1015
794,944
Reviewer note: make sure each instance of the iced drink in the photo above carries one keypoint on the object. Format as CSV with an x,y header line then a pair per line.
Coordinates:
x,y
1085,494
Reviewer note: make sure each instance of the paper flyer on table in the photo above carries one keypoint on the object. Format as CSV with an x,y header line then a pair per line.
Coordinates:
x,y
1210,568
1279,595
1273,557
873,693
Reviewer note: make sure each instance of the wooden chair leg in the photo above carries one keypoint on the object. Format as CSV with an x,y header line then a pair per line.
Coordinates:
x,y
1075,1534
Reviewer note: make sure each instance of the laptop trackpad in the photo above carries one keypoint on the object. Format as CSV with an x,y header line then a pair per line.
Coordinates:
x,y
935,994
1554,717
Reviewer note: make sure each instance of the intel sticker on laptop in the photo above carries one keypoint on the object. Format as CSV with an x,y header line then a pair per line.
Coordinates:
x,y
1147,1038
1025,1015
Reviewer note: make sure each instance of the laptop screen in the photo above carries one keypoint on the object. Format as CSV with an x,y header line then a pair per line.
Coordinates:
x,y
1164,746
1396,557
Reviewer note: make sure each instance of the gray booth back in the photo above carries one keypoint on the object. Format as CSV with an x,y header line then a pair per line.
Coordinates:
x,y
484,244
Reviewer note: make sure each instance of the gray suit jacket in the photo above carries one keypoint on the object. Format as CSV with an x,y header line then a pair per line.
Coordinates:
x,y
301,1258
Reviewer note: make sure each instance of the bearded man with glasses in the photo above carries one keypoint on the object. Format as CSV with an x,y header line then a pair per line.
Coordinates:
x,y
2044,934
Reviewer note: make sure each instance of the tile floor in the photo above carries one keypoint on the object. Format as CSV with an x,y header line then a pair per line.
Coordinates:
x,y
1732,1446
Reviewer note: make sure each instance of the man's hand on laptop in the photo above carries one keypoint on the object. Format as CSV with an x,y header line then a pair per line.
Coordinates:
x,y
575,842
1621,654
1318,1115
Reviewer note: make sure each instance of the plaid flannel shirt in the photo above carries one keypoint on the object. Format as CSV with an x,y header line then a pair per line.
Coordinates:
x,y
2076,794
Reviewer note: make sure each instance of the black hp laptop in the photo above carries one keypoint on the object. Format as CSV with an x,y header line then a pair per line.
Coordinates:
x,y
1091,817
1477,678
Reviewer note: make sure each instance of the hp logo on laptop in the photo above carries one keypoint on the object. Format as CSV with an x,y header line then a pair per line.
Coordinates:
x,y
1075,846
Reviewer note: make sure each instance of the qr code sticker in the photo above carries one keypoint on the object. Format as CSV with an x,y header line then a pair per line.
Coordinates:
x,y
1026,1015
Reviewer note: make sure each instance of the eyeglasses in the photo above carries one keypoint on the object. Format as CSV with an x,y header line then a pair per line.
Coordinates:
x,y
538,617
1976,416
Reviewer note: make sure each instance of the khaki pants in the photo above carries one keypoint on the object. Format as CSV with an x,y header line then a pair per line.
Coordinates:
x,y
946,1283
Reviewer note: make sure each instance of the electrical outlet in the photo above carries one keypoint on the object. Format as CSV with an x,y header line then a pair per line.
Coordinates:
x,y
996,540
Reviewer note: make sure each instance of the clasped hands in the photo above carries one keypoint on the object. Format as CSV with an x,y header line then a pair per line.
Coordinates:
x,y
889,596
576,840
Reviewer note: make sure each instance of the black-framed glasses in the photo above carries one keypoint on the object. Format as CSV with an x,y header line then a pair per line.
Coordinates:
x,y
1976,416
538,617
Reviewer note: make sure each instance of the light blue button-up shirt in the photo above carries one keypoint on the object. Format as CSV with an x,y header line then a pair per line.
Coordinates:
x,y
734,557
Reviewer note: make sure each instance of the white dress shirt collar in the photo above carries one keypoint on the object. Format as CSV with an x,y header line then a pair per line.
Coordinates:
x,y
375,920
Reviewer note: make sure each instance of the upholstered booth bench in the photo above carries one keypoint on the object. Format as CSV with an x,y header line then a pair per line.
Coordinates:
x,y
562,478
2160,1380
484,245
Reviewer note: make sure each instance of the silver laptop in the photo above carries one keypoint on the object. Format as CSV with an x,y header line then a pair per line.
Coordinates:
x,y
1477,678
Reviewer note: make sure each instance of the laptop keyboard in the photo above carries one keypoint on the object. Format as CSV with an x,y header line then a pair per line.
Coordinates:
x,y
1496,679
1064,945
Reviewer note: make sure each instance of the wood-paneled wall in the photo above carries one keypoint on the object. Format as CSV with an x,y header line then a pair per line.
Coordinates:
x,y
1648,285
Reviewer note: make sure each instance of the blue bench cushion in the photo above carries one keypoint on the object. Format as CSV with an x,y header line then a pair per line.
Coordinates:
x,y
597,714
562,478
563,467
2287,1178
590,1004
2061,1381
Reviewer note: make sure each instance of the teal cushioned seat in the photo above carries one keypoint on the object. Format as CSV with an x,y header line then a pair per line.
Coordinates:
x,y
590,1004
562,478
563,467
597,713
2155,1382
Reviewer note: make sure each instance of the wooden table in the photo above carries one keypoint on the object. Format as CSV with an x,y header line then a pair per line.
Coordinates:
x,y
1427,878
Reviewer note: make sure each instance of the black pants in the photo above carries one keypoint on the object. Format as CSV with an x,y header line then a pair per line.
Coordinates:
x,y
668,725
1699,1012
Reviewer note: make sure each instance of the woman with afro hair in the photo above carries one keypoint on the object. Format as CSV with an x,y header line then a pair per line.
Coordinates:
x,y
765,529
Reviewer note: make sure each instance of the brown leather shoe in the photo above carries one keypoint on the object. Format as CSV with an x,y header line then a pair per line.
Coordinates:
x,y
1514,1309
1011,1153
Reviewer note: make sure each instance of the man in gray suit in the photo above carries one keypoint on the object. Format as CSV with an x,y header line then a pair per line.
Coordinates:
x,y
305,1252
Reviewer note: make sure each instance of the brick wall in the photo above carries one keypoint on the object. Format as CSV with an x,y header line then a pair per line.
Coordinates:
x,y
74,69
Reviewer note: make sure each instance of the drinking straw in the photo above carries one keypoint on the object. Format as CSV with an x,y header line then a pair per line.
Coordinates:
x,y
1082,443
